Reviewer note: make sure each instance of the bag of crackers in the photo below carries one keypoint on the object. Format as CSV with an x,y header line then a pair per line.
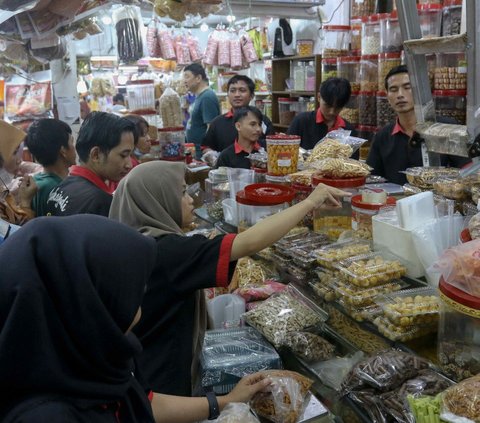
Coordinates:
x,y
461,402
286,399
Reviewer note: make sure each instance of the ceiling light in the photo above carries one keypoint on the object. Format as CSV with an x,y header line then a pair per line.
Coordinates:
x,y
231,18
107,20
204,27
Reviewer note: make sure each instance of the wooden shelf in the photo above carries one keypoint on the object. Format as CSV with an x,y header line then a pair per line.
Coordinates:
x,y
277,59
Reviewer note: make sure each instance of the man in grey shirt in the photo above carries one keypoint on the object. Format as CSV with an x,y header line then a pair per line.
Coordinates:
x,y
204,109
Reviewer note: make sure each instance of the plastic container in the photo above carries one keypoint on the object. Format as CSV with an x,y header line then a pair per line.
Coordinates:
x,y
451,104
452,17
367,133
450,72
348,67
452,188
334,222
371,269
430,16
329,68
400,333
301,193
282,153
385,113
275,179
225,311
362,214
336,41
304,47
258,201
299,75
326,286
310,76
459,332
354,296
260,176
370,35
362,7
351,111
141,95
286,110
329,255
418,306
369,73
267,108
367,108
258,160
356,36
223,79
424,177
386,62
391,39
172,143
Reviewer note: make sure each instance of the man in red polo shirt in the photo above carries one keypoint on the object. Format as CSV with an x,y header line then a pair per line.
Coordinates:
x,y
104,145
391,152
248,122
333,95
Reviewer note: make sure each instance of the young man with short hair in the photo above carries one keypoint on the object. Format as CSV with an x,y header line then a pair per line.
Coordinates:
x,y
104,145
248,123
222,131
333,96
204,109
391,153
51,143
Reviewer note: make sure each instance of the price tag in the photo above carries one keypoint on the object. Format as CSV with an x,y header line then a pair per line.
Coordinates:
x,y
425,159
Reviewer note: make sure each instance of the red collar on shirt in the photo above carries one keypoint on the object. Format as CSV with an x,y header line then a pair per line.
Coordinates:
x,y
90,176
229,114
239,148
339,122
397,128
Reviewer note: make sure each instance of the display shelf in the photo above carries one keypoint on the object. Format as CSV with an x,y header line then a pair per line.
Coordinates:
x,y
290,58
292,92
256,93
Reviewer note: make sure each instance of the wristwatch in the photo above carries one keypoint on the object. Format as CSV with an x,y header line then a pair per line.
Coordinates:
x,y
213,409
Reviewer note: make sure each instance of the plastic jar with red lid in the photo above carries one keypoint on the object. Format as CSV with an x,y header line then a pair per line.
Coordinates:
x,y
348,67
452,17
451,104
334,222
458,331
336,40
386,62
391,39
371,34
362,214
430,16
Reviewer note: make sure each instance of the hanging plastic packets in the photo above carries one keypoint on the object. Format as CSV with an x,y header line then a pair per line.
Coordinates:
x,y
182,50
166,43
223,49
256,38
235,53
128,27
195,52
153,45
248,49
212,49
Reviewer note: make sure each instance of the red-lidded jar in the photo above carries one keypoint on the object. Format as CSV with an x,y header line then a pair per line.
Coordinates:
x,y
386,62
367,133
385,113
369,72
258,201
334,222
362,213
458,331
450,71
390,35
430,16
356,36
348,67
350,111
368,108
371,34
451,104
452,17
336,40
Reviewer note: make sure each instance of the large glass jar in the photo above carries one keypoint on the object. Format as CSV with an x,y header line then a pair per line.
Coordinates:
x,y
450,72
351,112
258,201
458,332
451,104
368,108
370,35
390,35
386,62
385,113
362,213
356,36
452,17
286,110
329,68
336,40
369,72
430,16
348,67
334,222
367,133
363,7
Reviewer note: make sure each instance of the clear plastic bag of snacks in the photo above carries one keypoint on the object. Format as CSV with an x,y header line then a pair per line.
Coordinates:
x,y
462,400
460,267
309,346
356,297
341,168
287,397
424,177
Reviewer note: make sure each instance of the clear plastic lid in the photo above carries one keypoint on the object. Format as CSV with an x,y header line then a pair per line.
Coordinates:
x,y
423,177
329,255
371,269
361,314
356,297
450,187
399,333
326,284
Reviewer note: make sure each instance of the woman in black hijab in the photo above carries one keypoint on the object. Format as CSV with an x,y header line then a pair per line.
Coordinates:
x,y
70,292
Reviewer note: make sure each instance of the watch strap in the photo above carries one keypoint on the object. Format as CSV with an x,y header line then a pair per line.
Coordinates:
x,y
213,408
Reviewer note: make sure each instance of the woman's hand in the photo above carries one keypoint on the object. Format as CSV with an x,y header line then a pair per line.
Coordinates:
x,y
26,191
325,196
247,388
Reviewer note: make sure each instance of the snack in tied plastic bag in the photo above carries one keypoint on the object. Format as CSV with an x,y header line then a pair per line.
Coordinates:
x,y
462,400
341,168
287,397
248,273
309,346
261,291
170,109
474,226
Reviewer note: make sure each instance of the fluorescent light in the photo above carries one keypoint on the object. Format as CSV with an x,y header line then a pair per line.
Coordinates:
x,y
107,20
204,27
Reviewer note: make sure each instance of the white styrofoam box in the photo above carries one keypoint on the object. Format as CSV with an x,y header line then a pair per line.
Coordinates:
x,y
398,241
415,210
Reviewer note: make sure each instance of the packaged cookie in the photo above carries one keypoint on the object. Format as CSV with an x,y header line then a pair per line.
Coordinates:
x,y
329,255
326,285
402,333
424,177
357,297
450,187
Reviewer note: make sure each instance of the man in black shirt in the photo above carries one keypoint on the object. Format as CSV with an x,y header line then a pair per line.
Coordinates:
x,y
391,153
222,131
333,95
248,123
